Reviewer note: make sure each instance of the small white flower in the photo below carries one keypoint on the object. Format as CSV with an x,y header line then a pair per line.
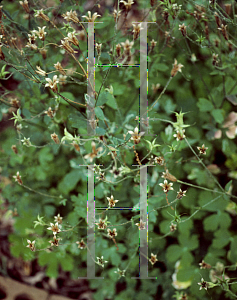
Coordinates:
x,y
112,201
40,71
203,284
101,262
121,273
91,19
166,186
135,135
52,84
55,228
179,136
31,245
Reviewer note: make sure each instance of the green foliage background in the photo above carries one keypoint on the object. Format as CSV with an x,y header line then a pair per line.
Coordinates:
x,y
205,219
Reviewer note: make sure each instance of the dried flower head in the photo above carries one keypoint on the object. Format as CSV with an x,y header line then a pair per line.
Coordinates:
x,y
17,178
116,14
55,138
127,46
141,225
15,102
25,6
167,175
136,30
224,32
202,149
94,152
98,48
166,186
153,259
182,28
215,60
43,52
59,68
71,16
52,83
41,33
173,227
14,149
81,244
31,245
159,160
227,7
218,20
55,241
93,18
81,35
153,44
71,37
50,112
2,56
66,46
40,14
118,49
204,265
40,71
76,146
176,68
181,194
127,4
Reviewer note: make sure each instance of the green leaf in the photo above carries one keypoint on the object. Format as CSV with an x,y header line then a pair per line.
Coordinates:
x,y
63,202
211,222
222,238
162,67
77,121
227,187
189,242
103,98
111,102
69,182
185,274
216,72
187,259
207,197
233,250
67,95
67,263
52,269
99,113
218,115
173,253
225,220
205,105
